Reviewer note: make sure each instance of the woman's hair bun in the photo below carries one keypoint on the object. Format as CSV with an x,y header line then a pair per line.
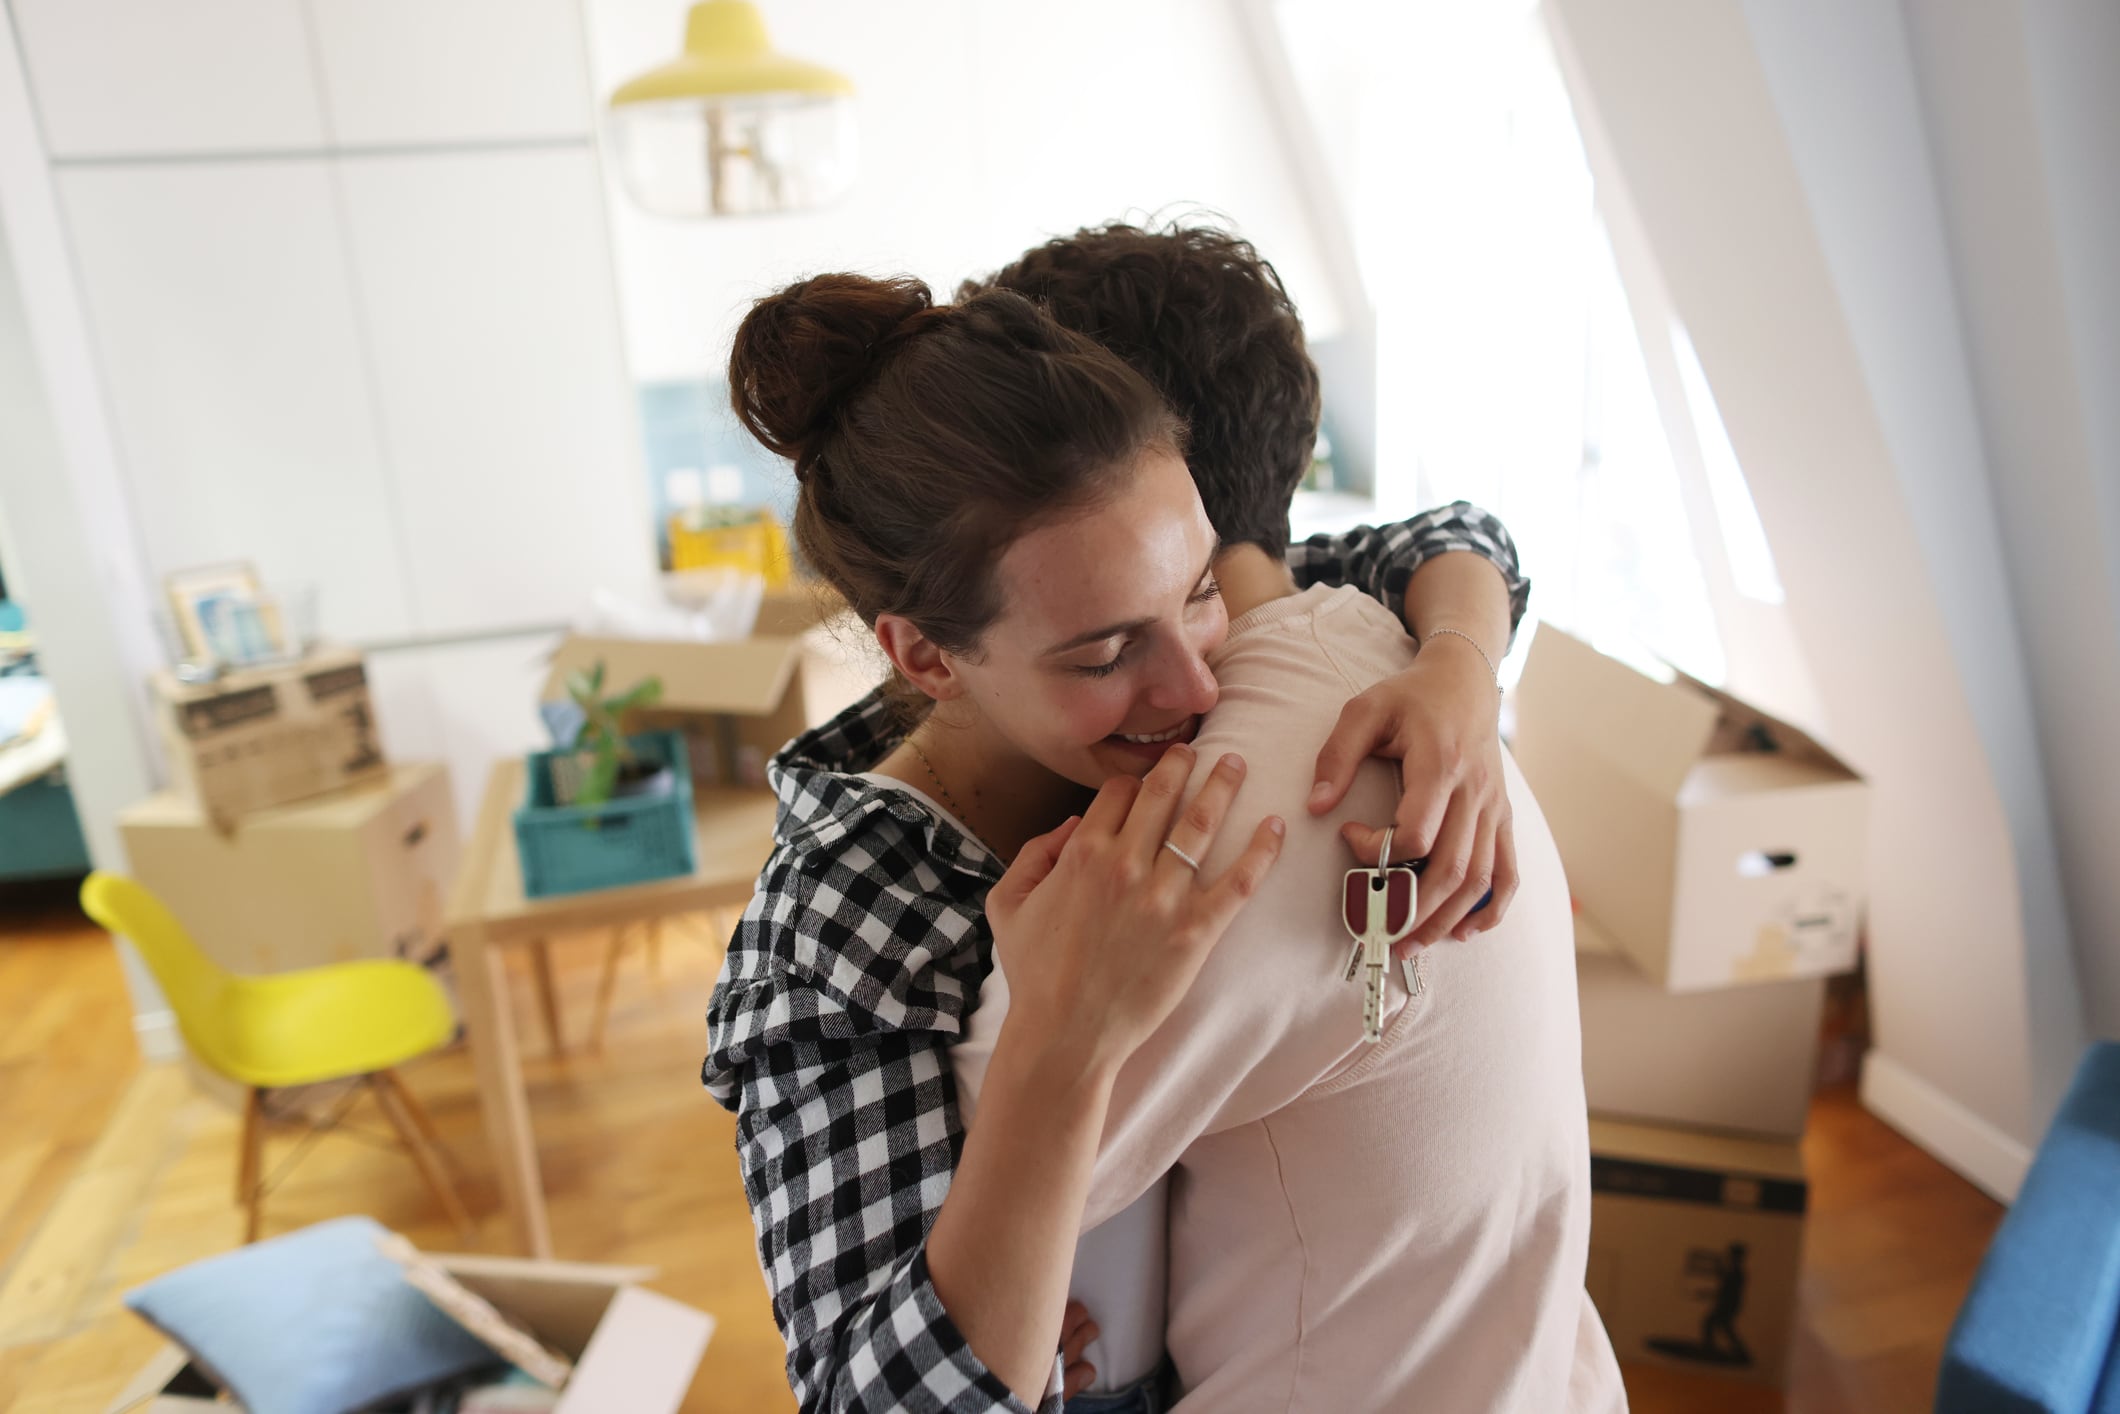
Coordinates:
x,y
801,353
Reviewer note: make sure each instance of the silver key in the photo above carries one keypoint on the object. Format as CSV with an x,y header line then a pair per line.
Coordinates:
x,y
1377,905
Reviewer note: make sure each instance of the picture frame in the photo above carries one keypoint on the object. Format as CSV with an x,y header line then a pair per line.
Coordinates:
x,y
221,614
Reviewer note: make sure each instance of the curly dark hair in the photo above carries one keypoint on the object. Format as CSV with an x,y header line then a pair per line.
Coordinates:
x,y
1208,322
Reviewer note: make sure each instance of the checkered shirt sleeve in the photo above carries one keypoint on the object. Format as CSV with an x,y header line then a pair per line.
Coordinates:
x,y
1380,560
844,986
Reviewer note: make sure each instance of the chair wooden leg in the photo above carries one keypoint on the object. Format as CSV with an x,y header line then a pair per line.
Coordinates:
x,y
655,971
547,994
613,951
414,1130
402,1093
250,1165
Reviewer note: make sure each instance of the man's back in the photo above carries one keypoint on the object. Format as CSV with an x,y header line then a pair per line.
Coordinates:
x,y
1363,1226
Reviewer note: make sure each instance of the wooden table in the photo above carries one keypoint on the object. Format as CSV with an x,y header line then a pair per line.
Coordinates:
x,y
488,912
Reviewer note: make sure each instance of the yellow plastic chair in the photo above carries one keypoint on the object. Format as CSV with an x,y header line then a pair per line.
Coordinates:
x,y
339,1022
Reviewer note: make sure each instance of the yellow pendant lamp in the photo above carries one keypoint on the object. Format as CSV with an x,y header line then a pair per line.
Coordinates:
x,y
731,128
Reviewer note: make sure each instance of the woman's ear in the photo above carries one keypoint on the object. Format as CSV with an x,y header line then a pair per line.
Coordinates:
x,y
918,659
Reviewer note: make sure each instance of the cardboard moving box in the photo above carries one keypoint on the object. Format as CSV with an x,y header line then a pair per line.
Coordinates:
x,y
634,1349
362,873
737,702
260,737
1696,1241
1714,843
1739,1059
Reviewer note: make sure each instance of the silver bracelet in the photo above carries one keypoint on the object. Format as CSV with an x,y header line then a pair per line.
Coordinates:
x,y
1494,671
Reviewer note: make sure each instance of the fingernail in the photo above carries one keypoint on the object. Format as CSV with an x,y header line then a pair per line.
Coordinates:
x,y
1233,761
1319,791
1276,824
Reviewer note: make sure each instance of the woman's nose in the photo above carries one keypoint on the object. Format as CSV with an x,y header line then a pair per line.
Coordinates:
x,y
1184,683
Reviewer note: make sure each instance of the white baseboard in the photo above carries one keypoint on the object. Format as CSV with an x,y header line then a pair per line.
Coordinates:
x,y
1979,1151
159,1039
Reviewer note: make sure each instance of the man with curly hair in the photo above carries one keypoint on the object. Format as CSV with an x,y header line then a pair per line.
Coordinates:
x,y
1351,1225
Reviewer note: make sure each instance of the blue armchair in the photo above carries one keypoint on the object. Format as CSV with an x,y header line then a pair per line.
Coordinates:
x,y
2037,1333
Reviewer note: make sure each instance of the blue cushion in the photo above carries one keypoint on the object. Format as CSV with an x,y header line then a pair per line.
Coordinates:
x,y
315,1322
2108,1401
2036,1331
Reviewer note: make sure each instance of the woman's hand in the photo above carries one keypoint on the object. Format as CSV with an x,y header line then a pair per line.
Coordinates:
x,y
1440,720
1077,1330
1101,929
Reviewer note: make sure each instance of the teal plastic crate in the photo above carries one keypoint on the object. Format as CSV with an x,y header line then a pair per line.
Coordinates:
x,y
570,849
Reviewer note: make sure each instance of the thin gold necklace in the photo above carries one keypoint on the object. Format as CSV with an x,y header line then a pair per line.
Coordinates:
x,y
947,799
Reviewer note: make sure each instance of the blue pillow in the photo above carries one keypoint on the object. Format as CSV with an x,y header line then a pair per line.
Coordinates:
x,y
316,1322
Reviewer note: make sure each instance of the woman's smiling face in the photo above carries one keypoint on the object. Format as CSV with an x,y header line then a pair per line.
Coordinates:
x,y
1098,660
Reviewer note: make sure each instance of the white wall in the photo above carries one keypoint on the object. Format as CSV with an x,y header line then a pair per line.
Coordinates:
x,y
2025,120
984,129
73,558
1778,170
344,285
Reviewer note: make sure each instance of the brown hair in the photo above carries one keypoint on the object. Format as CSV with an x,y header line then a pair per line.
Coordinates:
x,y
926,438
1211,325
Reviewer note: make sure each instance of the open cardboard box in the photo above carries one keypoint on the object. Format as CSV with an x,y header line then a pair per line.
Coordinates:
x,y
1713,842
633,1349
737,702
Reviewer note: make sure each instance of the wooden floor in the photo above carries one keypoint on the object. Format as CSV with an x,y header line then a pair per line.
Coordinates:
x,y
113,1172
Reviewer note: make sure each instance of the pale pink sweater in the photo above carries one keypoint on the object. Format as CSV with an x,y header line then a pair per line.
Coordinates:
x,y
1359,1227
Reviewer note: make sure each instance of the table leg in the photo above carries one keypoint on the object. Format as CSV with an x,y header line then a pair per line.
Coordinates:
x,y
547,994
489,1027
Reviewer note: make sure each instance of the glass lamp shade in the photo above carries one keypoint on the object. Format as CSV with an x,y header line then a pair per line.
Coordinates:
x,y
732,128
738,155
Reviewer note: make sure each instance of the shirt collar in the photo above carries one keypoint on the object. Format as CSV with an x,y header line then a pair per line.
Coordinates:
x,y
824,797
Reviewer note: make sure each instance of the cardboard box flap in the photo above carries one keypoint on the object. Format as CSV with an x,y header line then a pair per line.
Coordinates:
x,y
140,1395
1651,730
1743,728
748,676
641,1358
558,1302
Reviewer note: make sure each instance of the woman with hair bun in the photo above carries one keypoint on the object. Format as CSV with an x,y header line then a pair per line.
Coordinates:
x,y
1006,504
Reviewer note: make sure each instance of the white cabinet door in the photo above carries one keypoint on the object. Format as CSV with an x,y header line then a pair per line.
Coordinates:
x,y
115,77
398,72
219,299
486,287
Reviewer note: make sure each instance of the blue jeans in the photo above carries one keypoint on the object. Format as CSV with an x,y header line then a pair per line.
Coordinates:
x,y
1151,1394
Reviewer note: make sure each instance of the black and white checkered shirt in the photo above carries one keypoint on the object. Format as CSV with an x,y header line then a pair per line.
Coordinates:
x,y
852,972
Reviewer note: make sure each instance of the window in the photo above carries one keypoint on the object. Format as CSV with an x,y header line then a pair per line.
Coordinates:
x,y
1510,366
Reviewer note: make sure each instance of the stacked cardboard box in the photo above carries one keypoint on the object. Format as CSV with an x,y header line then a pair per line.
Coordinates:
x,y
285,839
356,874
1716,856
259,737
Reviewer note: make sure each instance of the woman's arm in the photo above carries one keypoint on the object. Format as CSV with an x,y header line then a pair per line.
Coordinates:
x,y
847,1143
1452,575
1101,929
895,1284
1003,1248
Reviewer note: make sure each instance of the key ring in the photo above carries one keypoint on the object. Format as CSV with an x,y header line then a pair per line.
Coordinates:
x,y
1384,851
